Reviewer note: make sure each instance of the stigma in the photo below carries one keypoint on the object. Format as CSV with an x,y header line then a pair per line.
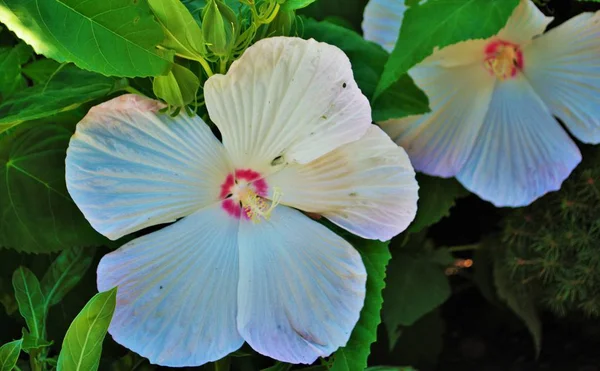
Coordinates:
x,y
256,207
503,59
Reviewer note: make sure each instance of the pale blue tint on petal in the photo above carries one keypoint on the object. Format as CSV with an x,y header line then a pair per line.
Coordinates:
x,y
439,143
129,167
563,67
177,297
522,152
301,287
382,21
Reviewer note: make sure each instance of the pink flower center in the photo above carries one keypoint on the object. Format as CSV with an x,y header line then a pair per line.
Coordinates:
x,y
243,193
503,59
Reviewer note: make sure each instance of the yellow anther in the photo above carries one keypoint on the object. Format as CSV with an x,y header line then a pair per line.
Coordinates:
x,y
504,63
257,207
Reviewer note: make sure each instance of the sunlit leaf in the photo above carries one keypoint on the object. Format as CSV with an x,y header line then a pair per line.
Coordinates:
x,y
64,273
9,355
37,213
30,299
183,35
353,356
82,345
439,23
115,38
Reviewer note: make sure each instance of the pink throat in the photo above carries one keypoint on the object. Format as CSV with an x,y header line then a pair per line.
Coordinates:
x,y
503,59
240,179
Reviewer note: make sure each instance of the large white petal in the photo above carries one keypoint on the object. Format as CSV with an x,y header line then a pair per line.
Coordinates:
x,y
521,152
367,187
286,100
525,23
301,287
563,67
382,21
440,142
177,296
129,167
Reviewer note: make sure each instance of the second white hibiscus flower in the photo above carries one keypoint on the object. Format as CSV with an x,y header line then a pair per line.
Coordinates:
x,y
243,264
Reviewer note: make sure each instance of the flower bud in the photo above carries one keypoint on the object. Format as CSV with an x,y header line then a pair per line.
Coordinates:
x,y
219,28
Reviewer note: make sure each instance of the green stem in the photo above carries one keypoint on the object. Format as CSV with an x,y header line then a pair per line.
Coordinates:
x,y
474,246
223,66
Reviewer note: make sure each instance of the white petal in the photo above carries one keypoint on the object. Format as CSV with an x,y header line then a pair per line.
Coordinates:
x,y
563,67
301,287
382,21
367,187
521,152
129,167
439,143
526,22
289,99
177,297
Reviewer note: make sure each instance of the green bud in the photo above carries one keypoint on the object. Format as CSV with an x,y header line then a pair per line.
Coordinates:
x,y
178,88
282,24
219,28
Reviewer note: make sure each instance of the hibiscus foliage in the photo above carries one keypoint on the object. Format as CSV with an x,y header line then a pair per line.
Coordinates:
x,y
60,58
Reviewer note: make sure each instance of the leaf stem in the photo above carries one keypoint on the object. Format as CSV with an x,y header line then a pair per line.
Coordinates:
x,y
470,247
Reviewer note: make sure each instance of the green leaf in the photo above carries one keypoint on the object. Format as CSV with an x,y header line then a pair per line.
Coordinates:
x,y
11,60
368,60
183,35
436,198
67,90
353,356
519,301
115,38
41,70
82,345
9,355
65,272
37,213
279,366
30,299
178,88
31,342
421,343
296,4
439,23
416,285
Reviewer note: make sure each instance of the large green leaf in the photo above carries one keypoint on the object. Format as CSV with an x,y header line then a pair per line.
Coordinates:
x,y
439,23
353,356
9,355
37,213
416,284
30,299
436,198
183,35
64,273
67,90
368,60
112,37
82,345
41,70
11,60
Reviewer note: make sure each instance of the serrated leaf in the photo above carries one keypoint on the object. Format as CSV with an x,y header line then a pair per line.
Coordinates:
x,y
368,60
11,60
82,346
353,356
416,284
41,70
67,90
436,198
439,23
183,35
37,213
30,299
9,355
64,273
113,37
519,301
